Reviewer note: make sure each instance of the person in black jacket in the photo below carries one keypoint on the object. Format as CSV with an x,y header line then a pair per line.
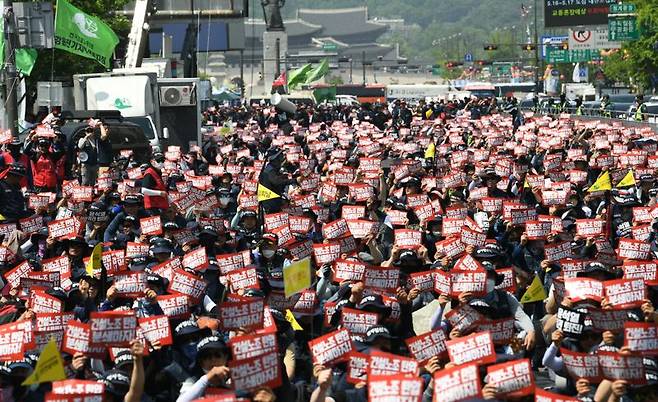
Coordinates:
x,y
12,201
272,178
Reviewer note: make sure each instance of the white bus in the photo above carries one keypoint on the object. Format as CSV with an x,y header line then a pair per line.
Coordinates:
x,y
416,91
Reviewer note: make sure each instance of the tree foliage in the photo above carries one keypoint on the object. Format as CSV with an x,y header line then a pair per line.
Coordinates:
x,y
637,62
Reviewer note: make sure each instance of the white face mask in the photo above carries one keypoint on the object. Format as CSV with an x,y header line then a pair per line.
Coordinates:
x,y
224,200
491,285
157,165
268,253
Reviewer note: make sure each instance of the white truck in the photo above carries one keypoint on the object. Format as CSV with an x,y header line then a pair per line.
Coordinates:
x,y
165,108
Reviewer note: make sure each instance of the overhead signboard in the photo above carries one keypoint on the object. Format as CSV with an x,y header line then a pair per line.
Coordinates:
x,y
591,40
552,41
569,13
571,56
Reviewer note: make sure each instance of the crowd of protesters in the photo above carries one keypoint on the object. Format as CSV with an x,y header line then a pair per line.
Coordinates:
x,y
456,252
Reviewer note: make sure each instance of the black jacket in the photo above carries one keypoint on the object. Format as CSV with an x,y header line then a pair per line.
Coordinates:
x,y
12,202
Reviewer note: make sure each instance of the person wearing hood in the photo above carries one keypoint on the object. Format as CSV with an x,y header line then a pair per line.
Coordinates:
x,y
131,207
13,205
273,178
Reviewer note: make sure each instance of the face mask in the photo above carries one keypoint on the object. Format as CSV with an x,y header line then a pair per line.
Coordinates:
x,y
491,285
268,253
189,350
157,165
224,201
437,233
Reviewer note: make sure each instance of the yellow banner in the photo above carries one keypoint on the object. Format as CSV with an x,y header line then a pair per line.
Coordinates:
x,y
628,180
265,193
602,183
290,317
95,259
50,366
535,292
297,277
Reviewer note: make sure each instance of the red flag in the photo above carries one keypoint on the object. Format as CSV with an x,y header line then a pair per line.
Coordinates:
x,y
281,81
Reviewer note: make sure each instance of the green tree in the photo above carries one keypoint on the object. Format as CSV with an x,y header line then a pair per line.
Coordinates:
x,y
637,61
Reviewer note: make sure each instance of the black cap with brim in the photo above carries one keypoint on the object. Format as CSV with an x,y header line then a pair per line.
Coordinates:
x,y
375,304
116,382
211,343
377,332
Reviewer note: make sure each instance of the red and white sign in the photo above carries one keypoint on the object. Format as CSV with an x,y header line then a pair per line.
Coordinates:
x,y
246,346
590,227
545,396
478,348
428,345
174,306
335,229
130,284
63,229
356,321
326,253
463,318
423,281
331,348
579,289
468,281
634,249
395,388
616,366
641,337
113,328
245,278
581,365
625,293
349,270
245,315
511,379
187,284
151,226
357,367
457,383
386,279
196,259
156,329
408,238
502,330
387,364
255,372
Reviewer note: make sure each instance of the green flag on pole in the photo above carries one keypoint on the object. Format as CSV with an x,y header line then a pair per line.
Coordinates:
x,y
318,72
298,76
83,34
25,59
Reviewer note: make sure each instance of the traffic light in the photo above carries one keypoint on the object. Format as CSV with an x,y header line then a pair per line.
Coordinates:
x,y
528,47
490,47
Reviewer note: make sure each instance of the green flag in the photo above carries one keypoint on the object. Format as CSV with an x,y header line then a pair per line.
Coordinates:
x,y
324,94
83,34
298,76
25,59
318,72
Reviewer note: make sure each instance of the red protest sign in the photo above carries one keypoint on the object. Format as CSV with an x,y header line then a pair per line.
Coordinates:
x,y
423,281
151,226
608,319
424,347
616,366
581,365
196,259
335,229
78,387
386,279
245,278
174,306
408,238
457,383
512,379
348,270
463,318
14,275
478,348
326,253
471,237
77,339
579,289
625,293
246,346
63,229
134,249
641,337
307,302
395,388
233,261
502,330
113,328
255,372
357,321
13,342
47,322
156,329
634,249
130,284
558,251
246,315
468,281
187,284
360,228
41,302
590,227
275,221
331,348
300,224
349,212
545,396
468,263
357,367
387,364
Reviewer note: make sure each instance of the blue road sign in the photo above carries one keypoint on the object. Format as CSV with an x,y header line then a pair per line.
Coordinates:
x,y
468,57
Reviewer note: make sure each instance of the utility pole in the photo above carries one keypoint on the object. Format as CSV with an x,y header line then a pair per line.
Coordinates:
x,y
11,75
242,73
363,64
537,44
277,62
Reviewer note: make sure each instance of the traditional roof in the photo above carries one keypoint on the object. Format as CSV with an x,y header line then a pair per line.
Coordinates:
x,y
255,28
340,22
